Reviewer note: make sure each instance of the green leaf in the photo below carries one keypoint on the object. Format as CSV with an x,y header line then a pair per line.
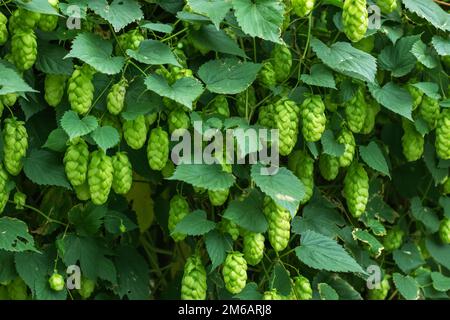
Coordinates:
x,y
183,91
119,13
45,168
216,40
407,286
393,97
408,258
424,215
378,208
87,219
154,53
132,274
15,236
41,6
140,101
430,11
76,127
375,226
342,57
250,292
441,45
342,287
320,252
261,19
424,54
51,60
195,224
248,213
210,177
228,76
217,244
283,187
57,140
280,279
92,254
440,252
364,236
429,156
392,32
440,282
431,89
106,137
114,219
330,145
158,27
327,292
423,278
320,76
11,81
398,58
7,269
444,202
96,51
374,157
216,10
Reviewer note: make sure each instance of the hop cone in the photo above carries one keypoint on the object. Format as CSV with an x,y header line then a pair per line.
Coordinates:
x,y
220,106
369,123
15,145
267,75
193,284
355,19
87,287
22,19
9,99
253,248
49,22
57,282
54,86
246,102
178,119
76,161
20,199
302,7
348,140
265,117
235,272
3,29
228,226
116,97
328,167
393,239
17,289
281,62
80,89
100,177
302,288
218,197
380,293
387,6
272,295
82,192
123,173
278,219
302,165
4,192
356,189
429,110
355,112
135,132
24,49
285,119
158,149
416,95
313,118
178,209
443,135
412,141
444,230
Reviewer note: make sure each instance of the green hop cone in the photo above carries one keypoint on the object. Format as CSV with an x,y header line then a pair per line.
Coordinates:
x,y
265,117
281,62
135,132
387,6
285,119
3,29
178,209
116,97
9,99
443,135
429,110
17,289
54,86
302,165
313,118
76,161
20,200
416,95
130,40
193,283
151,118
356,112
82,192
278,219
100,177
355,19
356,189
218,197
348,140
57,282
267,75
158,149
412,141
4,192
246,102
24,49
235,272
444,230
22,19
220,106
381,292
49,22
80,89
373,108
302,7
178,119
253,248
272,295
393,239
328,167
87,287
302,288
123,173
15,145
228,226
